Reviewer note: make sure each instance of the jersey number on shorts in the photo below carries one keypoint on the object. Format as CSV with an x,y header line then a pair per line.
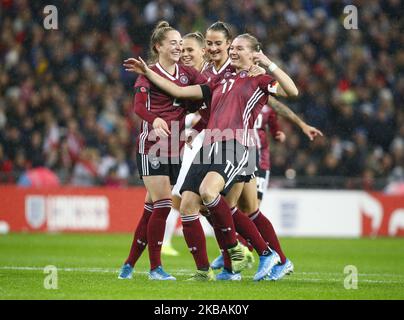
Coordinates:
x,y
229,168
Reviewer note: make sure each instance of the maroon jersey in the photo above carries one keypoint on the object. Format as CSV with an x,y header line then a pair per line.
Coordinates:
x,y
151,103
266,119
235,102
211,74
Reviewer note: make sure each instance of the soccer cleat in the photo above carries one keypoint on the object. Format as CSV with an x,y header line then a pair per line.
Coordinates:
x,y
266,264
226,275
250,257
218,263
280,270
168,250
238,258
160,274
201,275
126,272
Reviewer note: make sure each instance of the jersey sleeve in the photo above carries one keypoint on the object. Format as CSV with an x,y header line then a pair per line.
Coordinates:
x,y
142,100
268,84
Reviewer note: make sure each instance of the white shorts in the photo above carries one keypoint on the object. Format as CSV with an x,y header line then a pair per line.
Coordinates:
x,y
262,182
189,155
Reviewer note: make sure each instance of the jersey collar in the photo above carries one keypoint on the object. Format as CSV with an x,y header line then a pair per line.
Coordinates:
x,y
169,76
226,64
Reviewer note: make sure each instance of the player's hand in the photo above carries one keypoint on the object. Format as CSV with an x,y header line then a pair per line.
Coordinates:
x,y
134,65
256,71
311,132
280,136
261,58
161,128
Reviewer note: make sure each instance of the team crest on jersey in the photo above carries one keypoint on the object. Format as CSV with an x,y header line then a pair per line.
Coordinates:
x,y
227,75
243,74
154,162
143,89
184,79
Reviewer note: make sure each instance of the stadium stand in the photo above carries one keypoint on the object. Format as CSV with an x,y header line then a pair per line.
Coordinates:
x,y
66,102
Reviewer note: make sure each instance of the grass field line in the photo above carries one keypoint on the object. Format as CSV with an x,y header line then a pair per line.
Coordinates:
x,y
182,271
187,272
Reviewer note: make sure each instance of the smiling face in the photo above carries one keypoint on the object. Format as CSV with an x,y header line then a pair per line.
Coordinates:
x,y
217,46
241,54
170,48
192,53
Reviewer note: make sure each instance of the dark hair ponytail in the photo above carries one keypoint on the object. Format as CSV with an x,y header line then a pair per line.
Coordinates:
x,y
223,27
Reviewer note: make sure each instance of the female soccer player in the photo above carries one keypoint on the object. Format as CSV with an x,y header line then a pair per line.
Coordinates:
x,y
234,110
244,196
193,55
159,145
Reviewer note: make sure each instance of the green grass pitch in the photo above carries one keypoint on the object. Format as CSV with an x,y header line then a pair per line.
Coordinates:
x,y
88,266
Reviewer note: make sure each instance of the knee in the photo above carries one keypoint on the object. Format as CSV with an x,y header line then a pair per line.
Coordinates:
x,y
188,207
244,207
207,195
185,209
248,206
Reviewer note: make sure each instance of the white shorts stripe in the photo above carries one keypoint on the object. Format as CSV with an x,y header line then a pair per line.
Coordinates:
x,y
240,166
247,112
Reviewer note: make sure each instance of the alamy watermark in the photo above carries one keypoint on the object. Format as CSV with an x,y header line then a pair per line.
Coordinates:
x,y
351,280
51,280
351,19
51,21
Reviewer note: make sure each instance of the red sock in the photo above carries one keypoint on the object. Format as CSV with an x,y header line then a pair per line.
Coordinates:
x,y
222,218
249,231
139,241
268,232
195,239
221,242
244,242
156,229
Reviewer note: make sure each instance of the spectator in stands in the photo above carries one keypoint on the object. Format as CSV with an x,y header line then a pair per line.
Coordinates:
x,y
85,171
66,87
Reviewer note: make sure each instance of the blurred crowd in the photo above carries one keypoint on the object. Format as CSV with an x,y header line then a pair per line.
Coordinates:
x,y
66,102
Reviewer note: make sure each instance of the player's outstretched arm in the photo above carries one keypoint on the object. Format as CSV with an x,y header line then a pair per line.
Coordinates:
x,y
286,112
139,66
286,85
